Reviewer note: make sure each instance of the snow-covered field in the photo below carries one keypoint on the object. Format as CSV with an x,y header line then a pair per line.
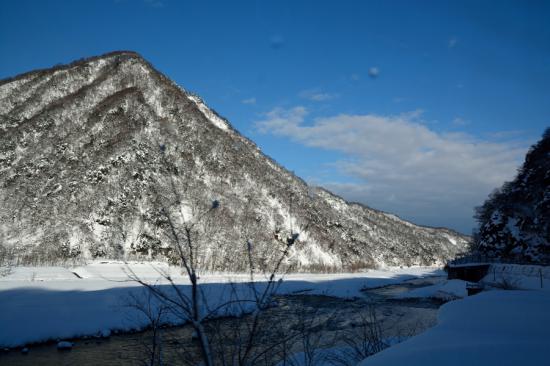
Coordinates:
x,y
48,303
496,327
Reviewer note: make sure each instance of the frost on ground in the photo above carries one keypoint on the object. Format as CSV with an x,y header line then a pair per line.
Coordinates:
x,y
48,303
495,327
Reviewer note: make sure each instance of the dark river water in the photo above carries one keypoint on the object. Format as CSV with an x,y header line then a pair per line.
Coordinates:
x,y
397,318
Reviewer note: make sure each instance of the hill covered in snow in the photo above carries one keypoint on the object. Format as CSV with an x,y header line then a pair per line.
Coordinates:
x,y
91,152
514,222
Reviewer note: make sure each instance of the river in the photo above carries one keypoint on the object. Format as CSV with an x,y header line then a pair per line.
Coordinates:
x,y
396,319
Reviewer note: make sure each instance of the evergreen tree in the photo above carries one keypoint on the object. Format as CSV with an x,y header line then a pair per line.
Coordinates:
x,y
514,222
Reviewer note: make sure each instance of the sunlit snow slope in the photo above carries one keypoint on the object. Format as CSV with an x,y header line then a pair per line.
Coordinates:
x,y
82,175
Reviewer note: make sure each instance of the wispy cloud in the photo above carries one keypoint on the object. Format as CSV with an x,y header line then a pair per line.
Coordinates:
x,y
249,101
402,165
459,121
316,95
508,134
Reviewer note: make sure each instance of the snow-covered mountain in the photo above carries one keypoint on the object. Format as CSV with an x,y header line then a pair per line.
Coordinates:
x,y
91,151
514,222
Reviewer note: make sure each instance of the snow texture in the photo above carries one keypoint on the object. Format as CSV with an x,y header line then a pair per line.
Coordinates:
x,y
64,345
87,150
492,328
495,327
525,277
514,222
208,113
47,303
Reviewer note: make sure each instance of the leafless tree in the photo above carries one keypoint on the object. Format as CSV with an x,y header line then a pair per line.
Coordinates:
x,y
154,313
186,235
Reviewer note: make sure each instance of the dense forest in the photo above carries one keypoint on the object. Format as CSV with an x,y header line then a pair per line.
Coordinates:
x,y
514,222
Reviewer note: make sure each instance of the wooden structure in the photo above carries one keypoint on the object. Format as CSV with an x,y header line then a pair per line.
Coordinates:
x,y
468,272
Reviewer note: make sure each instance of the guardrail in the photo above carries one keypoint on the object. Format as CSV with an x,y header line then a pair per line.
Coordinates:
x,y
478,258
505,267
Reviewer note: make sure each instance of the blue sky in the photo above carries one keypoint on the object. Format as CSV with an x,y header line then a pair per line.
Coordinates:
x,y
416,108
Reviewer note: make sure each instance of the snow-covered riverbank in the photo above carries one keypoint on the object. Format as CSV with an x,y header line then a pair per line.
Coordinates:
x,y
495,327
48,303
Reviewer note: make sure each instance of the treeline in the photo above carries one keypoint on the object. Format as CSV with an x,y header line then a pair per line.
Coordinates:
x,y
514,222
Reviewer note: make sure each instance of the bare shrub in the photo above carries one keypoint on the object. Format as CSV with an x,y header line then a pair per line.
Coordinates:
x,y
155,314
188,237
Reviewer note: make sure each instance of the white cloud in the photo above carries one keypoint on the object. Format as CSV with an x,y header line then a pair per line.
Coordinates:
x,y
249,101
316,95
403,166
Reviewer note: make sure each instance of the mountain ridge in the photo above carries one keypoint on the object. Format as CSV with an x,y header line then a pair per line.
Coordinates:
x,y
159,105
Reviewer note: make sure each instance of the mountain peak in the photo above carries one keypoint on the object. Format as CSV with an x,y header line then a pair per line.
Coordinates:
x,y
114,56
81,176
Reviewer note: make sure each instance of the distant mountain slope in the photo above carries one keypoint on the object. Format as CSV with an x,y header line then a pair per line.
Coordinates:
x,y
514,222
82,174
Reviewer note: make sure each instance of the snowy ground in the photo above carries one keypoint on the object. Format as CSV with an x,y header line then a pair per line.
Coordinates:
x,y
496,327
48,303
445,290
